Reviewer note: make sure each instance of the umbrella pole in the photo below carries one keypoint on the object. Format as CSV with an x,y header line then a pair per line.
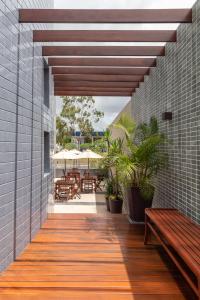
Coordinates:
x,y
65,166
88,164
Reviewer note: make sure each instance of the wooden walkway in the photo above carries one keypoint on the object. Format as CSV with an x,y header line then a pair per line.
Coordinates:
x,y
96,257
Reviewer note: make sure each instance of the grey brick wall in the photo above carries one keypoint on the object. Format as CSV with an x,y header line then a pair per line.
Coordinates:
x,y
174,85
24,188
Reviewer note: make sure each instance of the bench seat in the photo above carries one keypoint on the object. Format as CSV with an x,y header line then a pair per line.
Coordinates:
x,y
180,237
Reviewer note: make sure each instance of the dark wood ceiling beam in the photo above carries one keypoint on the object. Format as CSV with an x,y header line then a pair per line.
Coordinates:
x,y
105,15
104,35
93,77
87,93
96,89
105,61
103,50
101,70
95,84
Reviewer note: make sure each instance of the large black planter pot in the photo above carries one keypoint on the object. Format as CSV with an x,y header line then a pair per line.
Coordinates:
x,y
116,206
137,205
107,203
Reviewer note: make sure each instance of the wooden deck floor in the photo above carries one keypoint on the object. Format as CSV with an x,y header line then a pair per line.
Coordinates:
x,y
96,257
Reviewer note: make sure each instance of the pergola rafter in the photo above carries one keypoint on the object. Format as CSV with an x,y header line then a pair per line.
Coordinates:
x,y
105,61
93,77
92,93
95,84
103,50
102,70
105,15
104,35
97,89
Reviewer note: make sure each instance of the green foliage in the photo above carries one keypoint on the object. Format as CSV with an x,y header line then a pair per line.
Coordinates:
x,y
80,114
127,125
62,132
85,146
109,187
70,146
137,158
97,146
145,130
147,191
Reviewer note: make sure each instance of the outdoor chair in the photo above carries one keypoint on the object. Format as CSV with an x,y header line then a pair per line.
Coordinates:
x,y
99,182
88,185
75,192
75,175
62,191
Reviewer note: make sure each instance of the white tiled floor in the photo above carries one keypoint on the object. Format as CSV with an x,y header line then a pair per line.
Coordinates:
x,y
89,203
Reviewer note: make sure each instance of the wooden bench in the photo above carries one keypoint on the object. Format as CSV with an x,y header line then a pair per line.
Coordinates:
x,y
180,237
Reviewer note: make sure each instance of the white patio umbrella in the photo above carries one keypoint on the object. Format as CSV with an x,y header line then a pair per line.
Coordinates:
x,y
76,152
90,155
66,155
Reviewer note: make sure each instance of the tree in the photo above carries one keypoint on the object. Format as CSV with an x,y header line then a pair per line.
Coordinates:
x,y
62,133
79,114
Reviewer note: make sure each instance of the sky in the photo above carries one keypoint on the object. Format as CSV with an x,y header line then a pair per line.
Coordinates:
x,y
113,105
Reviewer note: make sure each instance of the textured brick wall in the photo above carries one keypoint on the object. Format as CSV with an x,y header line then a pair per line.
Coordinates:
x,y
23,187
174,85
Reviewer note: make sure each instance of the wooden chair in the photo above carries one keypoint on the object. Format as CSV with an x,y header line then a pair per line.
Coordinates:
x,y
75,175
62,190
180,238
75,192
88,184
99,182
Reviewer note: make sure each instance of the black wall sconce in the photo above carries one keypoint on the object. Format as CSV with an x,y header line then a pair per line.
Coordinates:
x,y
167,116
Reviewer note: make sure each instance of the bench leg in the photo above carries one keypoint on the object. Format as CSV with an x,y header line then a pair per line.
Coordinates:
x,y
146,234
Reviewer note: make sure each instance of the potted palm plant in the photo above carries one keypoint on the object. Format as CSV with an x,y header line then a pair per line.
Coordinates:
x,y
108,193
111,163
144,158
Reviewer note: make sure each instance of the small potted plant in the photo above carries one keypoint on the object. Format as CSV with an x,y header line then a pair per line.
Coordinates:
x,y
115,202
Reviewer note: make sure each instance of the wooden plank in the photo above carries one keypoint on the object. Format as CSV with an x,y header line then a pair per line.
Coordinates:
x,y
90,256
41,294
105,61
93,77
95,89
104,36
88,93
103,50
95,84
101,70
105,15
175,236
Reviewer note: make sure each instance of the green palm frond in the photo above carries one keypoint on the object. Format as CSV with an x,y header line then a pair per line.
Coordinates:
x,y
153,125
126,124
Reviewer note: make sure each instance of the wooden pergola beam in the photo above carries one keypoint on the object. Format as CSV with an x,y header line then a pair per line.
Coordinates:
x,y
95,89
105,15
104,36
105,61
93,77
87,93
101,70
103,50
95,84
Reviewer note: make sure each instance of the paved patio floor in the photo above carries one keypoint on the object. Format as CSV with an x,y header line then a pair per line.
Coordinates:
x,y
88,203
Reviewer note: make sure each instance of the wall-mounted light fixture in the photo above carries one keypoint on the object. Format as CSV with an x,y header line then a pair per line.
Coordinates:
x,y
167,116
